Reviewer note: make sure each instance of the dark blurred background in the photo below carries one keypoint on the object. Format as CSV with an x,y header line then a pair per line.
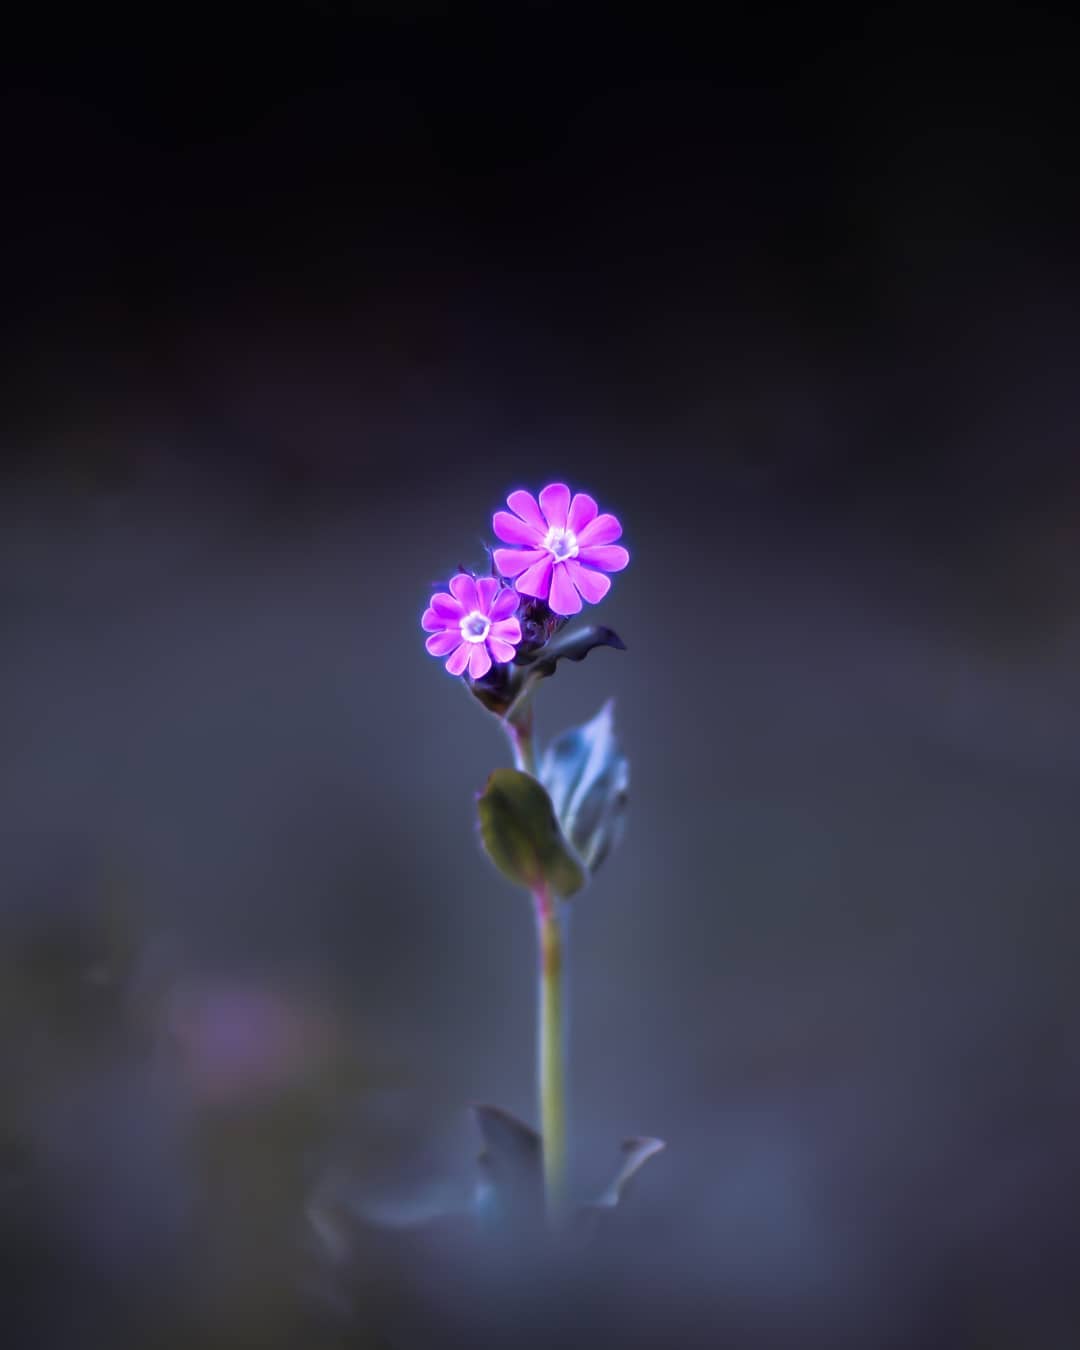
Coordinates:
x,y
287,309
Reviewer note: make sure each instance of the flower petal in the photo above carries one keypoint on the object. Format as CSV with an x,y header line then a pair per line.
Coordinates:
x,y
445,604
509,630
555,502
563,599
582,509
604,529
506,602
524,504
479,660
608,557
431,622
511,561
486,590
439,644
592,585
536,579
464,589
513,531
500,651
459,659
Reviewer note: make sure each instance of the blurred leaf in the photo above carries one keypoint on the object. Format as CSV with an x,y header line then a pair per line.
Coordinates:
x,y
636,1153
512,1189
588,779
522,837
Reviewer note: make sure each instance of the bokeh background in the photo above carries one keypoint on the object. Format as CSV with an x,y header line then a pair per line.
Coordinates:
x,y
286,313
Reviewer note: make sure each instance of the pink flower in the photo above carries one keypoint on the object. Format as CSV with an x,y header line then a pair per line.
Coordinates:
x,y
473,625
565,547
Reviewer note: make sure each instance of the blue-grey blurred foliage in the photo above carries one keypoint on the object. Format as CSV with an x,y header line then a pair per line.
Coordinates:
x,y
254,967
588,777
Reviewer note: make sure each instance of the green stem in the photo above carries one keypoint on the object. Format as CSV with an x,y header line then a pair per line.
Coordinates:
x,y
551,1020
551,1056
520,732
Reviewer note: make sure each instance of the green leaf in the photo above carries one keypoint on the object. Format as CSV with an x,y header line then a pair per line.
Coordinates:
x,y
522,837
588,779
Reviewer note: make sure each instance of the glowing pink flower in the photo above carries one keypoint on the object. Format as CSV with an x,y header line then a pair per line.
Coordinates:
x,y
473,625
565,547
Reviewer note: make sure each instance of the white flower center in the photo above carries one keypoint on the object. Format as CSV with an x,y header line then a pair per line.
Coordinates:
x,y
561,544
475,627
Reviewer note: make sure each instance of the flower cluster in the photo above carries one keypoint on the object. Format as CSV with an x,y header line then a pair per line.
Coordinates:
x,y
562,548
